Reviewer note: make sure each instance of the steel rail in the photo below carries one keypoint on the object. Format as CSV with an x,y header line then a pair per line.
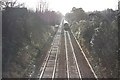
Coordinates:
x,y
85,57
55,63
47,59
74,56
68,75
43,69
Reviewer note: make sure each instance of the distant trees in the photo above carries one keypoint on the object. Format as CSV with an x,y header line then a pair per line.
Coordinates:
x,y
119,5
76,14
42,6
51,17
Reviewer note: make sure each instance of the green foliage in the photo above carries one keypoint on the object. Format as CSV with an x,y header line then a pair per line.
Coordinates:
x,y
99,32
24,35
76,14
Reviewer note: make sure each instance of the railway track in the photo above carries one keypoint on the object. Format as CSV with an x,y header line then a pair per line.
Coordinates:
x,y
48,69
66,59
72,65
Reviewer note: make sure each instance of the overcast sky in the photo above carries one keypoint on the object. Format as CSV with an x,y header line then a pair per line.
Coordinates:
x,y
65,6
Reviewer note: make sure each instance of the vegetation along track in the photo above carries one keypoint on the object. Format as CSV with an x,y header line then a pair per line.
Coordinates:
x,y
66,59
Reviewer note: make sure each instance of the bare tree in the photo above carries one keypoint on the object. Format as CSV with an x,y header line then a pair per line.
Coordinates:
x,y
42,6
4,4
